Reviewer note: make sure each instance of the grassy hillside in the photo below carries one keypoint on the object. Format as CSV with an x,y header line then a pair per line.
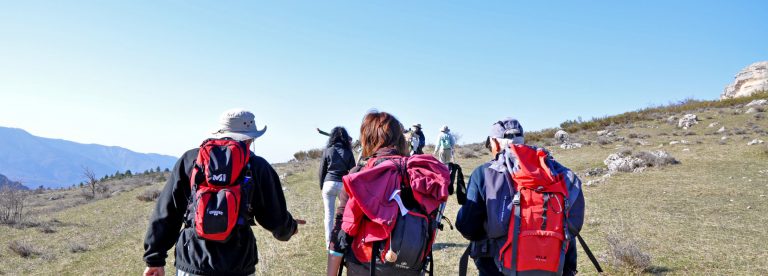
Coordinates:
x,y
706,215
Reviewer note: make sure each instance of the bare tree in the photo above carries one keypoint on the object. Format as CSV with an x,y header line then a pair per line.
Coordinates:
x,y
91,182
12,204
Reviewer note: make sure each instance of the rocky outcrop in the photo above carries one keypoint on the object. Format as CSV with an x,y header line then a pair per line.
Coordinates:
x,y
622,163
757,103
755,142
721,130
753,78
625,161
605,133
569,145
562,136
687,121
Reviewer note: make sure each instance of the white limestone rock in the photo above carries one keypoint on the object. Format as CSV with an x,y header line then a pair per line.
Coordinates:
x,y
687,121
753,78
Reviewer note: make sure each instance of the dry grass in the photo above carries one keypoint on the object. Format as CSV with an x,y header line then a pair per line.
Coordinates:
x,y
23,249
76,247
149,195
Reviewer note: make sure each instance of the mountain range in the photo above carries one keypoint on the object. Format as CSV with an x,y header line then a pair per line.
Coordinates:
x,y
5,182
55,163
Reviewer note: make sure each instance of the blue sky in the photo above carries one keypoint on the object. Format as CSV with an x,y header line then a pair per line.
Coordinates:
x,y
153,76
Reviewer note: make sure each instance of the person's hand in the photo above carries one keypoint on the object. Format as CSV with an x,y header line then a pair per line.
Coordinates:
x,y
318,129
299,222
154,271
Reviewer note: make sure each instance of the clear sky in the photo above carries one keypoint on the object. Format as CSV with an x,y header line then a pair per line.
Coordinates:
x,y
153,76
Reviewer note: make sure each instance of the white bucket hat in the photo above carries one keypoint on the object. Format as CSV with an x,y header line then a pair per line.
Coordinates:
x,y
238,124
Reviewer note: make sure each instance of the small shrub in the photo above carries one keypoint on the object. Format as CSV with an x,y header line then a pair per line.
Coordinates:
x,y
656,159
308,155
633,136
26,224
738,131
603,141
625,252
48,257
467,152
87,195
149,195
315,153
47,229
76,247
23,249
595,172
625,152
539,136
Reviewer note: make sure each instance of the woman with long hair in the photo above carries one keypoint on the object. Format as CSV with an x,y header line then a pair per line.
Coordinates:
x,y
337,161
383,148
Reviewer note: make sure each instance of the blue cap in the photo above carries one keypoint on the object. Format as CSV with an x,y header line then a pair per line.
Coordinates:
x,y
508,128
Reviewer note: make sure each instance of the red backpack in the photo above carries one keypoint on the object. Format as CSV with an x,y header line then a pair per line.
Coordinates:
x,y
537,233
217,181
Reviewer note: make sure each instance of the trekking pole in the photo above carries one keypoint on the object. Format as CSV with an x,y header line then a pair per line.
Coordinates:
x,y
586,248
438,220
589,254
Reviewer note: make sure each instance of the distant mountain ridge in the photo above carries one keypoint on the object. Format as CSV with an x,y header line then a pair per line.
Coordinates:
x,y
35,161
5,182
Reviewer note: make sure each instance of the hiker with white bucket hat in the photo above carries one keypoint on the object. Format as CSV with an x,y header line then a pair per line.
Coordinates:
x,y
214,195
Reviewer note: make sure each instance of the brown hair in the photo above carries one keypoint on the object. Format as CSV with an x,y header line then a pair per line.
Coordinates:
x,y
381,130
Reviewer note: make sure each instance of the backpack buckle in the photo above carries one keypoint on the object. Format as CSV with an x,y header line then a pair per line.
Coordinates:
x,y
516,199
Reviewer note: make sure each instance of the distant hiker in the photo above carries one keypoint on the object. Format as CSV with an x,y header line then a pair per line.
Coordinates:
x,y
389,209
522,209
210,201
419,148
444,145
412,140
337,161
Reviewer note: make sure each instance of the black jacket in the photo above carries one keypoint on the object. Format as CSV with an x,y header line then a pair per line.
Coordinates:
x,y
237,256
337,161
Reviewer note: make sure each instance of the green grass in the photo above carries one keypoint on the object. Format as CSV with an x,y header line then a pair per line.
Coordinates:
x,y
703,216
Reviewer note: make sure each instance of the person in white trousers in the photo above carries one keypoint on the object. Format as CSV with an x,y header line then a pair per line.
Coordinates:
x,y
336,163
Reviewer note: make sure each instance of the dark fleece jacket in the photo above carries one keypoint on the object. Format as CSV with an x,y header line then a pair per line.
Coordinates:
x,y
238,255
